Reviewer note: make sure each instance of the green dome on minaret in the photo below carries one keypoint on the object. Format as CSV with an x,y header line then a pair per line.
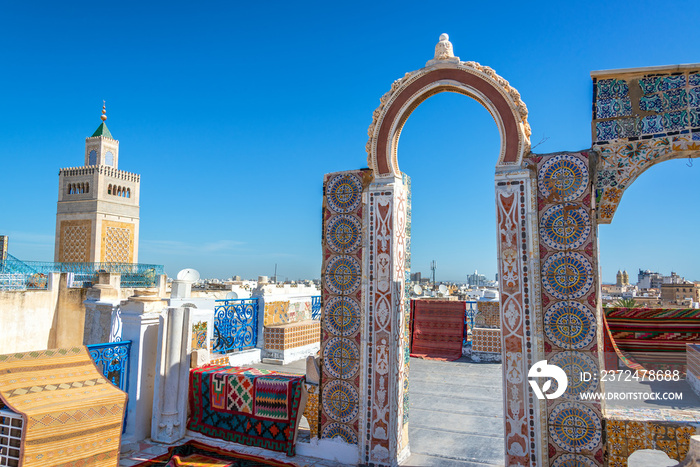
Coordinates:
x,y
102,130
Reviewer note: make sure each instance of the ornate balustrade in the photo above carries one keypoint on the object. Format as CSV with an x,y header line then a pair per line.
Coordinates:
x,y
112,359
316,307
35,273
235,324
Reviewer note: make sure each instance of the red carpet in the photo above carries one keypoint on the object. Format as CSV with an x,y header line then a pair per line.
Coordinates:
x,y
437,329
196,454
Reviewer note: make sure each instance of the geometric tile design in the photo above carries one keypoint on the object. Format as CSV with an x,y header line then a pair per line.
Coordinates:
x,y
275,313
311,410
340,401
625,437
199,335
567,275
574,427
75,241
341,318
486,340
568,295
291,336
117,242
570,324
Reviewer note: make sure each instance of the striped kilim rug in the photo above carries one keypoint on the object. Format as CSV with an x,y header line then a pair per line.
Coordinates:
x,y
72,414
437,329
196,454
654,339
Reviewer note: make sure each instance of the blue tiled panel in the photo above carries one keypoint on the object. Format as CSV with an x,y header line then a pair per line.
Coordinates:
x,y
652,124
675,100
695,120
672,82
694,79
650,85
674,121
694,97
606,131
609,108
651,103
611,89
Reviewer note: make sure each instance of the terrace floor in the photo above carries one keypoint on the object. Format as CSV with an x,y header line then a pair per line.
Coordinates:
x,y
456,418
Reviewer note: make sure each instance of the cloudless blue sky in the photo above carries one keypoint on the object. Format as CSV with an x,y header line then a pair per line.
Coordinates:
x,y
232,112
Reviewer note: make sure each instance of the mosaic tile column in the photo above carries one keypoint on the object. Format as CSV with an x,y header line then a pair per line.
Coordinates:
x,y
568,261
344,207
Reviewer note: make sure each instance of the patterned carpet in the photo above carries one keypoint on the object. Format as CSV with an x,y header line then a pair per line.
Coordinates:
x,y
72,414
437,329
196,454
653,339
247,406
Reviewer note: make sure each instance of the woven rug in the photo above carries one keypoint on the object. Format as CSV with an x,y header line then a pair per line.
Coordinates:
x,y
654,339
247,406
196,454
437,329
72,414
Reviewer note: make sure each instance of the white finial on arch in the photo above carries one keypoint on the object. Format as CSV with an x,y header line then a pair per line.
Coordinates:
x,y
443,49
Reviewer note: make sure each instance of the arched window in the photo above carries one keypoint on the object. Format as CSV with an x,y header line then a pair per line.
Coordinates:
x,y
109,189
82,188
92,160
87,187
109,158
68,189
128,192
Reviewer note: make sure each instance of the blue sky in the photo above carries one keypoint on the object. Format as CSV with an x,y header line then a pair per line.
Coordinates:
x,y
232,113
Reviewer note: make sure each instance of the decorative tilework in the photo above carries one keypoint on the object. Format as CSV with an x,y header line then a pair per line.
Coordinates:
x,y
342,316
565,227
567,275
488,315
619,165
341,358
562,178
342,274
312,409
292,335
344,233
624,437
276,313
574,427
343,217
486,340
337,430
570,324
340,401
568,300
199,335
344,193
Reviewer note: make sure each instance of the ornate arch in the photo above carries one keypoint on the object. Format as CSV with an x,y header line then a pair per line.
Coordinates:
x,y
447,73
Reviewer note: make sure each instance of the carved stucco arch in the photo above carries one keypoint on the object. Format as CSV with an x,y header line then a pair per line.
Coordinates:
x,y
469,78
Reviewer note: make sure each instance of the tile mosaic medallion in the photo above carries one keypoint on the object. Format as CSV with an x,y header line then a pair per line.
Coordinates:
x,y
342,271
638,121
568,296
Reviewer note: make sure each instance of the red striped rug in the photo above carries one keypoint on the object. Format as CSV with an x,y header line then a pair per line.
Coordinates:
x,y
437,329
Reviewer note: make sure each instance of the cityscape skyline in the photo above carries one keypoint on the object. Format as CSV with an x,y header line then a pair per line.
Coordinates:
x,y
232,159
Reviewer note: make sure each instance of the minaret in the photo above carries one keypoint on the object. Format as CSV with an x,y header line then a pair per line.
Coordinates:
x,y
97,219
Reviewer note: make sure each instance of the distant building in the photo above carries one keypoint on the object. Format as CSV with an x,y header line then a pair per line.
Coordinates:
x,y
680,293
623,278
4,239
97,218
649,280
416,277
476,279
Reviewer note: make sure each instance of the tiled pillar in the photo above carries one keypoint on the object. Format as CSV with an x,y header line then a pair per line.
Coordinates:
x,y
343,275
568,258
384,436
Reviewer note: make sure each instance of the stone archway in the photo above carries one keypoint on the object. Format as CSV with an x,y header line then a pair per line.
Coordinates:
x,y
365,371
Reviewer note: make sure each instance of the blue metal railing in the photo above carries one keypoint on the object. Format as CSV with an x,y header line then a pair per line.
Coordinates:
x,y
469,313
235,324
316,307
35,273
112,359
